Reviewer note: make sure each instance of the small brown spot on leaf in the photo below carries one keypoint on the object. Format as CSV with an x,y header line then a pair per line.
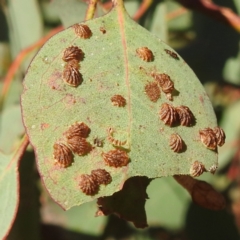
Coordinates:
x,y
82,30
98,142
176,143
168,114
62,155
172,54
69,100
88,184
145,54
153,91
72,76
101,176
197,169
201,99
116,158
219,135
118,100
72,53
44,126
208,139
103,30
185,116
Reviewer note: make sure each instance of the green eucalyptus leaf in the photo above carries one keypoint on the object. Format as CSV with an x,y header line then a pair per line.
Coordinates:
x,y
174,202
11,128
111,66
9,188
75,218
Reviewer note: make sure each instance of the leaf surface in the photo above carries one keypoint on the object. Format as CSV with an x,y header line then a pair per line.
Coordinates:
x,y
111,66
9,187
11,128
9,193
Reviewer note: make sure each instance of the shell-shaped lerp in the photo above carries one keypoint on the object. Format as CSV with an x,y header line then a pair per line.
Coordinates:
x,y
197,169
88,184
118,100
153,91
145,54
78,145
208,139
72,53
116,158
219,136
73,63
72,76
82,30
165,83
79,129
176,143
185,116
101,176
62,154
168,114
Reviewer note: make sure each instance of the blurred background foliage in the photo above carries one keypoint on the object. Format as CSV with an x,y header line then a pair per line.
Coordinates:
x,y
210,47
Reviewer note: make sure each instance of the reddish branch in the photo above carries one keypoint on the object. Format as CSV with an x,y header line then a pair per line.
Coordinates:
x,y
221,14
142,9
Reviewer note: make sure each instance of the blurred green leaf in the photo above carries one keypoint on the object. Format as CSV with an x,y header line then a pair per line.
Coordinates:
x,y
132,7
231,71
231,125
180,22
167,203
14,92
49,12
11,128
80,219
158,21
72,12
9,188
5,58
26,26
237,5
27,222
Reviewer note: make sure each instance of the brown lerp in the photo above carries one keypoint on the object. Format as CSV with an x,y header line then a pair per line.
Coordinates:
x,y
176,143
116,158
168,114
82,30
88,184
62,154
153,91
101,176
145,54
72,53
72,76
118,100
